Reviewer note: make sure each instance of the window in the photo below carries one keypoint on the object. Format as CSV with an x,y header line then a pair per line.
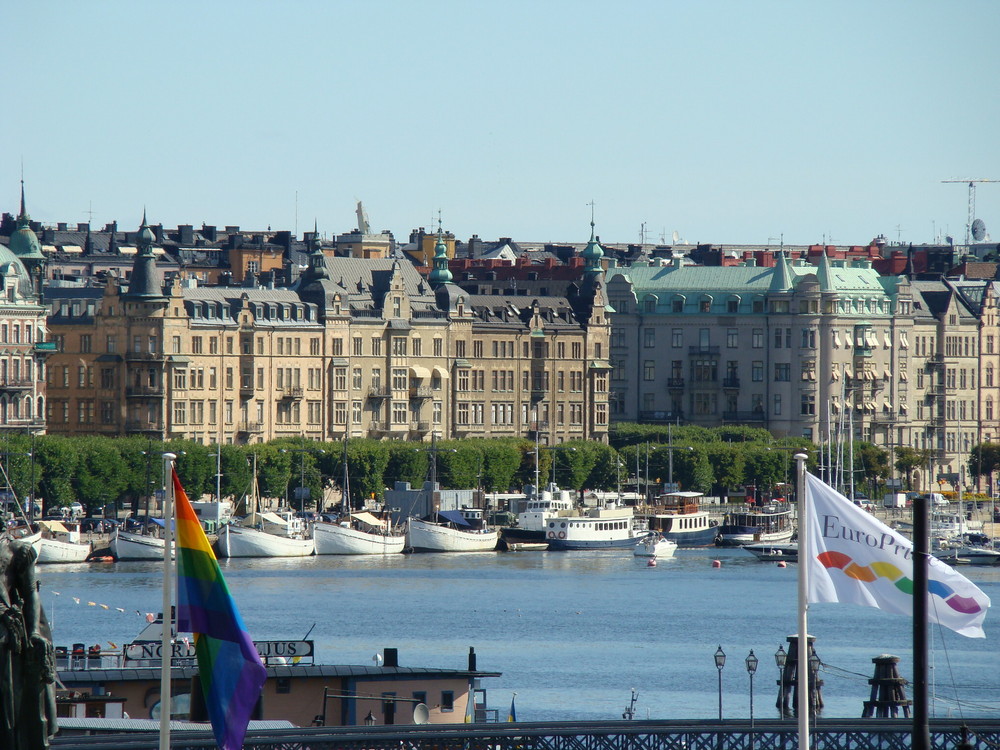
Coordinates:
x,y
781,372
377,346
84,342
196,345
808,407
175,345
649,370
438,348
757,338
356,346
338,348
777,404
356,412
757,371
649,337
314,345
732,338
447,700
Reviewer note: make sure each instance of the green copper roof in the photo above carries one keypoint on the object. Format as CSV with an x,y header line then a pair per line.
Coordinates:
x,y
441,273
23,241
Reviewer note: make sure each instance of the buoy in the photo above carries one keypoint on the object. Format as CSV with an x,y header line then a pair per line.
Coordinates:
x,y
651,563
782,564
716,563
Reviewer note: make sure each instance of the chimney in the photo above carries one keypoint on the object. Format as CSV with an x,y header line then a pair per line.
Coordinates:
x,y
82,226
472,659
61,226
210,233
185,235
390,657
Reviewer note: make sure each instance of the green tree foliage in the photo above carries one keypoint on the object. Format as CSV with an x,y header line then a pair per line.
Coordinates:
x,y
407,463
907,460
604,472
367,461
501,461
728,462
100,474
984,459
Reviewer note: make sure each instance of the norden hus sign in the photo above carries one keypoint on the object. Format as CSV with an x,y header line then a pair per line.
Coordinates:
x,y
268,650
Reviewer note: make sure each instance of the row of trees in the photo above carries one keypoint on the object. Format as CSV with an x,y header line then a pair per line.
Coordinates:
x,y
122,471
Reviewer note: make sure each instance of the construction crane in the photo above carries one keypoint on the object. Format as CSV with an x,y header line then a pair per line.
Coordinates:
x,y
973,226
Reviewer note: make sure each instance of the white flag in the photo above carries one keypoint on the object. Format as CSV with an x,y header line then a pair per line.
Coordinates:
x,y
857,559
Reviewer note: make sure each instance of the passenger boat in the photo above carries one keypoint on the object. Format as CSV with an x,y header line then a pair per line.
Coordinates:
x,y
607,527
357,534
279,534
678,517
60,543
128,546
774,552
655,546
453,531
531,523
969,555
771,524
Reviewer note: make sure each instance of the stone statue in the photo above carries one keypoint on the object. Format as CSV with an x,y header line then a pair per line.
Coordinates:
x,y
27,663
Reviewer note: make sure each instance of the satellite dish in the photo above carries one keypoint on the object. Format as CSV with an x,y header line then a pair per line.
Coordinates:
x,y
378,660
420,714
978,230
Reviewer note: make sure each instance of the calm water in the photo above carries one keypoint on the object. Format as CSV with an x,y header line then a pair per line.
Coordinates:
x,y
572,632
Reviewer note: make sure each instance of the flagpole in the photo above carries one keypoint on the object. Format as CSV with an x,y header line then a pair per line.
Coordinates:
x,y
166,642
921,722
802,671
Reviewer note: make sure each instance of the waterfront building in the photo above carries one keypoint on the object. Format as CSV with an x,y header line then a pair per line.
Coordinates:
x,y
798,349
357,347
23,344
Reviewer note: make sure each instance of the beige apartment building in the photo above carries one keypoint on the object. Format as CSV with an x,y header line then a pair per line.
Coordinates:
x,y
359,348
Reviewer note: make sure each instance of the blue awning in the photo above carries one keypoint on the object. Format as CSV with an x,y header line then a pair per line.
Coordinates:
x,y
454,517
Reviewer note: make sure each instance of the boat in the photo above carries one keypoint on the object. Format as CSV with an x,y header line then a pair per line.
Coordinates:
x,y
608,527
527,546
532,521
678,517
452,531
357,534
774,552
770,524
270,534
655,546
969,555
60,543
125,545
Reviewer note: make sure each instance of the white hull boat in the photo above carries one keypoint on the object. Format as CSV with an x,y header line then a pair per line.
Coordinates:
x,y
241,541
337,539
655,547
774,552
56,551
426,536
969,555
126,546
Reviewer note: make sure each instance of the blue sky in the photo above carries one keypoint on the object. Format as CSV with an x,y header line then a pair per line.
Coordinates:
x,y
724,121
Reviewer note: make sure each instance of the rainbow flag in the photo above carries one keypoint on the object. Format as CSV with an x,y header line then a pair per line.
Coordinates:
x,y
229,666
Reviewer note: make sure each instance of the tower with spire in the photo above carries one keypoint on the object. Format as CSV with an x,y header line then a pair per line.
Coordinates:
x,y
25,245
144,283
440,274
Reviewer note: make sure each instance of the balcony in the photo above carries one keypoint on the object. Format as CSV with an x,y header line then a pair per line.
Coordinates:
x,y
143,425
421,428
661,417
883,417
537,394
731,383
144,391
290,391
379,391
143,357
246,388
744,417
935,360
250,427
703,351
421,392
16,384
675,384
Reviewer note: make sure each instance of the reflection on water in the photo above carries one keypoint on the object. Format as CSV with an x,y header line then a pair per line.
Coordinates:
x,y
572,632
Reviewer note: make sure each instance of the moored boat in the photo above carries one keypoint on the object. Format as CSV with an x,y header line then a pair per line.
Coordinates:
x,y
678,517
279,535
969,555
532,521
607,527
771,524
128,546
774,552
358,534
654,546
61,543
452,532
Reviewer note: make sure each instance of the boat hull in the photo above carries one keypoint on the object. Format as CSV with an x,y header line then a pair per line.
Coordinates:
x,y
577,544
126,546
655,548
424,536
55,551
774,552
742,535
334,539
236,541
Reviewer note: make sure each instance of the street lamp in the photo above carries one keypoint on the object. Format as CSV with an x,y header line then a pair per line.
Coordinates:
x,y
720,662
370,719
812,685
751,662
780,657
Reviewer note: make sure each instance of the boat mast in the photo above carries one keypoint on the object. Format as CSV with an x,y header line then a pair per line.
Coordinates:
x,y
434,475
346,504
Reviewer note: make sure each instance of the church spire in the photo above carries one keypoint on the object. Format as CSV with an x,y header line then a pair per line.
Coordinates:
x,y
593,253
144,282
441,273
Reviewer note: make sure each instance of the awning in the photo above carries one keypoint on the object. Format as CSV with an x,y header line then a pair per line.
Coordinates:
x,y
902,341
887,339
55,526
887,374
903,376
440,372
338,361
887,406
369,519
848,371
836,374
462,363
836,338
273,518
420,373
848,339
397,324
453,516
178,359
72,249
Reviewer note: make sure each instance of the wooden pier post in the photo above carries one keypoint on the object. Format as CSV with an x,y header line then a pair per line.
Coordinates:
x,y
888,690
788,684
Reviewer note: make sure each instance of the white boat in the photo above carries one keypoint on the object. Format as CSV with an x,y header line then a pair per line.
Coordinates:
x,y
279,535
360,534
128,546
679,518
608,527
655,546
532,521
452,533
969,555
61,543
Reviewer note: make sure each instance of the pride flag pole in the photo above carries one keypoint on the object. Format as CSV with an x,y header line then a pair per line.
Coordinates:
x,y
166,641
802,674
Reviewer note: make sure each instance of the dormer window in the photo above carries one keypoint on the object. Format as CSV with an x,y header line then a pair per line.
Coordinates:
x,y
705,303
677,303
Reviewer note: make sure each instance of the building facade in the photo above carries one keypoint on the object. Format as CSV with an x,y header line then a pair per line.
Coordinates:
x,y
359,348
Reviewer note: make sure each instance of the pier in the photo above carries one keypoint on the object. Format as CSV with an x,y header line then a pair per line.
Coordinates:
x,y
775,734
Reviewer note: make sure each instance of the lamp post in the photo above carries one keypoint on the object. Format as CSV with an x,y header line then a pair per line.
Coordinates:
x,y
370,719
720,662
751,662
780,657
812,685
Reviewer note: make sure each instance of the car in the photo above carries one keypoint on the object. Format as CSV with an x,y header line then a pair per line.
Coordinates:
x,y
95,525
76,509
